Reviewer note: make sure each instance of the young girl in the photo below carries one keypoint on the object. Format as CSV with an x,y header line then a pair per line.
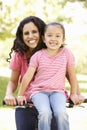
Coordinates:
x,y
47,88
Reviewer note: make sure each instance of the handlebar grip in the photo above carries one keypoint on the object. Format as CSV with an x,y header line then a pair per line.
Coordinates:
x,y
85,101
71,104
3,102
24,104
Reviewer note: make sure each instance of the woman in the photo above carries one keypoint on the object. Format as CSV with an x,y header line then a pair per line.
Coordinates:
x,y
28,40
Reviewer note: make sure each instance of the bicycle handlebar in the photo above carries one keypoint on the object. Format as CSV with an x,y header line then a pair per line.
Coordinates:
x,y
30,103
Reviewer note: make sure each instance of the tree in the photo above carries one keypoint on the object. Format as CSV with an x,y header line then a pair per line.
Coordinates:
x,y
12,13
83,1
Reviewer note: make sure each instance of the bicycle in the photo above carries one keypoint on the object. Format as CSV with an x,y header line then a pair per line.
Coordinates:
x,y
32,109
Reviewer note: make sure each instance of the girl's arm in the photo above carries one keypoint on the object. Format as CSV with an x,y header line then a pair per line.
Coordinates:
x,y
26,80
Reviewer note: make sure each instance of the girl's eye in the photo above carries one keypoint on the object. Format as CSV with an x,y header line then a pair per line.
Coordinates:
x,y
57,36
49,35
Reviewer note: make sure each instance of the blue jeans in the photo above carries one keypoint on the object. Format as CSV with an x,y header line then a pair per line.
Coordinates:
x,y
45,103
26,118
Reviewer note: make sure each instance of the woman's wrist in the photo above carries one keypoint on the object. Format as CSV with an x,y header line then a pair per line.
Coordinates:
x,y
9,94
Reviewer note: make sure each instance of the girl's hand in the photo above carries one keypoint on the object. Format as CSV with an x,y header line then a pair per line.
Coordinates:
x,y
21,99
10,100
74,98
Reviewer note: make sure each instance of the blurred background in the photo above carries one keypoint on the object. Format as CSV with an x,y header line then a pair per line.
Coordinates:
x,y
72,13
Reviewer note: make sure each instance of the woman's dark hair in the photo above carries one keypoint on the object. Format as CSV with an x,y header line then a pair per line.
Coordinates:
x,y
19,45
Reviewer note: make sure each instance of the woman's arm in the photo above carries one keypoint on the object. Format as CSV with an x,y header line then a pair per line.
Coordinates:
x,y
80,97
11,88
73,83
78,89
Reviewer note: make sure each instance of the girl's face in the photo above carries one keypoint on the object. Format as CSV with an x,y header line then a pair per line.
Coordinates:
x,y
31,35
53,37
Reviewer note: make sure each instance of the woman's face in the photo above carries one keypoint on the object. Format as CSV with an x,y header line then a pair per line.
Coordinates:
x,y
31,35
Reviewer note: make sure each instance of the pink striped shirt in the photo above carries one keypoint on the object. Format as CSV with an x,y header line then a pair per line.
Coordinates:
x,y
51,71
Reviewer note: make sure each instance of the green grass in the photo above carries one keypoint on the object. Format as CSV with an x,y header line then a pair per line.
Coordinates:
x,y
3,86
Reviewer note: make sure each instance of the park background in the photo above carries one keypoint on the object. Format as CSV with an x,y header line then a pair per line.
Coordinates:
x,y
72,14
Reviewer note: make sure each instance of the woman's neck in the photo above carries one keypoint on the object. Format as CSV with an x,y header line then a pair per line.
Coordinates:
x,y
28,53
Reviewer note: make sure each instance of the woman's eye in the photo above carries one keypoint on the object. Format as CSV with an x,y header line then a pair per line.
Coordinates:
x,y
26,33
34,31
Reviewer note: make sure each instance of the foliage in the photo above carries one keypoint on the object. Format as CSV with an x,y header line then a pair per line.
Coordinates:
x,y
4,51
80,51
11,14
82,1
49,10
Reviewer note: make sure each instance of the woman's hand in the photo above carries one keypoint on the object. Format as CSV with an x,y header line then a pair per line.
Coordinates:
x,y
74,98
10,100
81,98
77,99
21,100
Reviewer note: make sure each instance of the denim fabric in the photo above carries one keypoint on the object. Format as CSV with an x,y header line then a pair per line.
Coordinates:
x,y
26,118
46,103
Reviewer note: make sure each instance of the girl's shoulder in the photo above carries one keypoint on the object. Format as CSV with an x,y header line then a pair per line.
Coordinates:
x,y
38,53
69,54
67,50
